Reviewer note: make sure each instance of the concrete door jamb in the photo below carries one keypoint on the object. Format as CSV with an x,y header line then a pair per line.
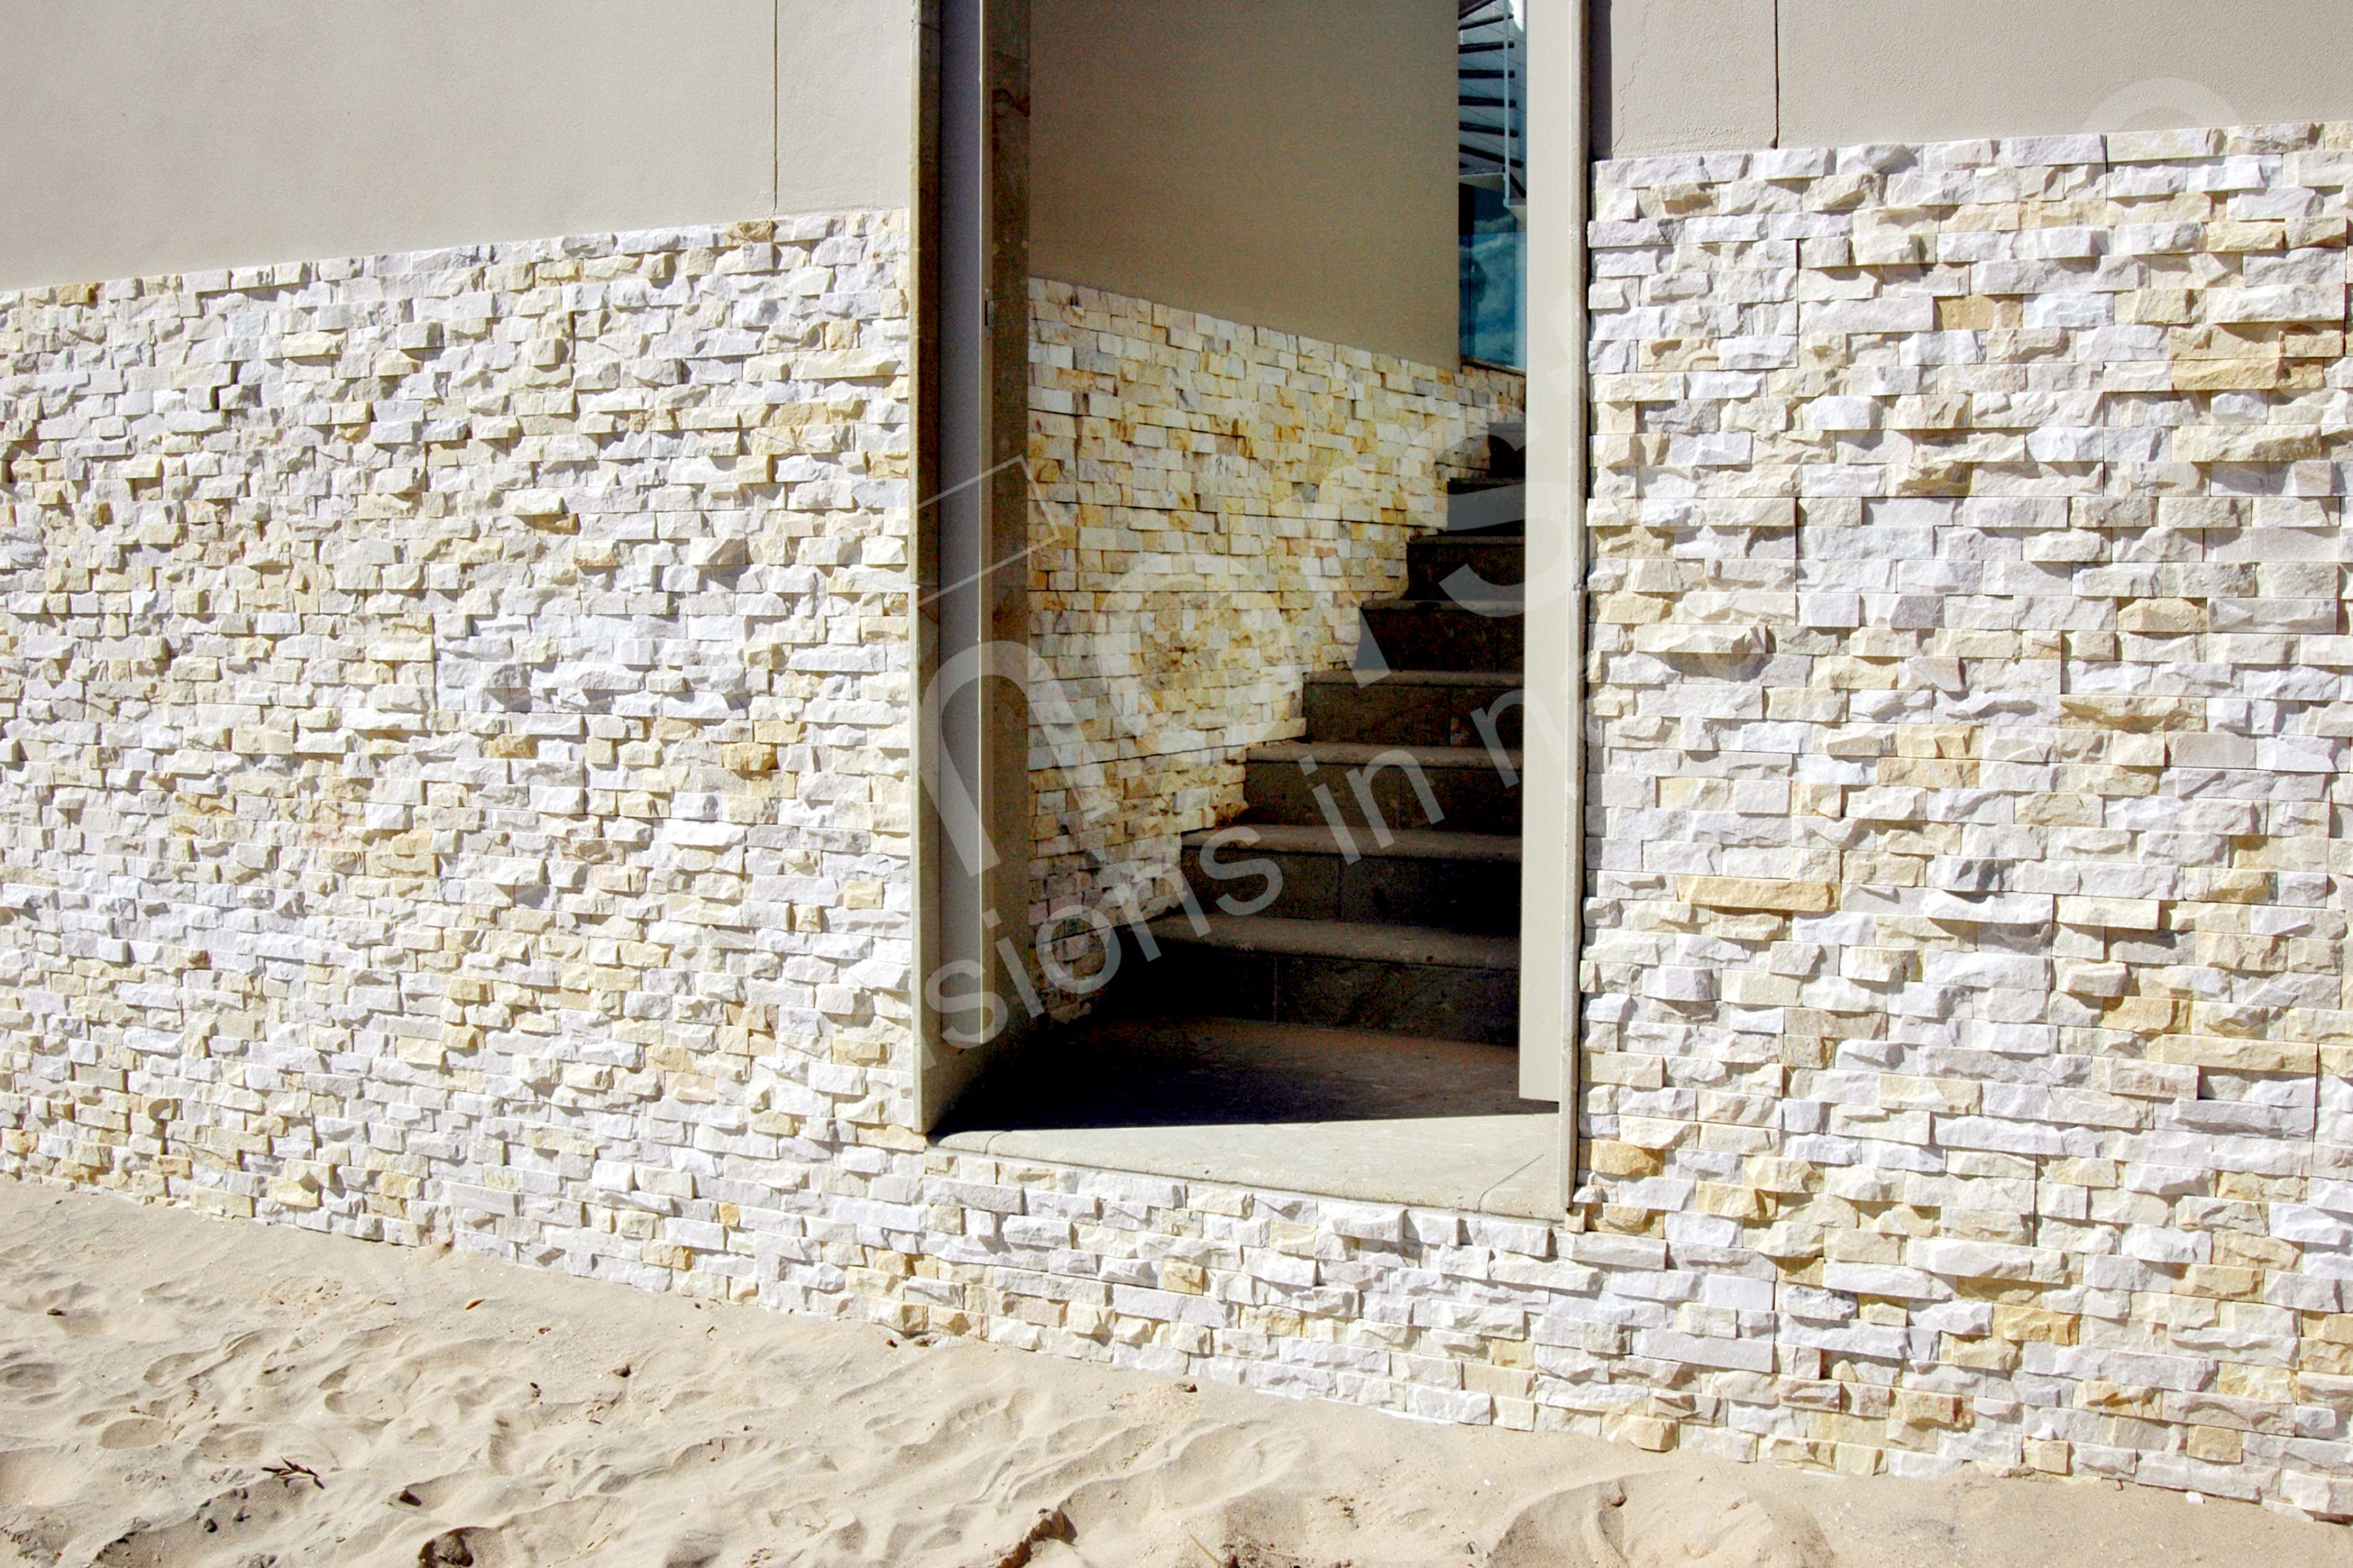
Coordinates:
x,y
1552,887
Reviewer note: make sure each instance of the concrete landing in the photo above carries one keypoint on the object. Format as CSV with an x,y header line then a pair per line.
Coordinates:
x,y
1338,1112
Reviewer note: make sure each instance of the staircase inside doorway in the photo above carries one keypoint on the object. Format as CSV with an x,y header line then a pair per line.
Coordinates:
x,y
1393,826
1335,1010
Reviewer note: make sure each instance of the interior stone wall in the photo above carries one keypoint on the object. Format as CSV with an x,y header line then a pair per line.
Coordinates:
x,y
1971,832
1210,503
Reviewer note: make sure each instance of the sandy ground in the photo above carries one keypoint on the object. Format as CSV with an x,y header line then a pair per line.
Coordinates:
x,y
177,1391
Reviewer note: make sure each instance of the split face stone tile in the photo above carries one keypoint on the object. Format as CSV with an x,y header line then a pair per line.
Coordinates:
x,y
2042,717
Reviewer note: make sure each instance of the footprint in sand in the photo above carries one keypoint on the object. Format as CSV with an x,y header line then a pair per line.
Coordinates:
x,y
234,1444
218,1531
133,1432
38,1478
76,1309
468,1547
26,1374
1658,1521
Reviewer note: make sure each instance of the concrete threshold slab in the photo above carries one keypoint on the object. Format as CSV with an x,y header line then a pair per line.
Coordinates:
x,y
1329,1112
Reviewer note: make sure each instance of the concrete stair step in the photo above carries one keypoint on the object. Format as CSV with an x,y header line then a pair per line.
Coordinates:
x,y
1494,508
1433,559
1439,633
1334,974
1377,879
1460,788
1415,707
1355,940
1448,881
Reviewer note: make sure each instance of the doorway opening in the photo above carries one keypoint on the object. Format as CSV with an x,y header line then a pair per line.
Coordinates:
x,y
1276,553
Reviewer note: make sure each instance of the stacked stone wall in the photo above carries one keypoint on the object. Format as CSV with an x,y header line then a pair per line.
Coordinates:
x,y
1210,503
1970,827
454,731
454,719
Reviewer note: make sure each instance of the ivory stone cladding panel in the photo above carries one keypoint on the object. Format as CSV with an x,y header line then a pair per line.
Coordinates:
x,y
456,731
1210,503
1969,698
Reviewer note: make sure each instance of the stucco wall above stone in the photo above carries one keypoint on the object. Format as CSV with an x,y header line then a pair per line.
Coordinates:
x,y
150,136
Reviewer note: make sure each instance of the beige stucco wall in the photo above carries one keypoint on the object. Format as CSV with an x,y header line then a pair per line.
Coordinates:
x,y
1686,75
1677,75
1286,163
150,136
